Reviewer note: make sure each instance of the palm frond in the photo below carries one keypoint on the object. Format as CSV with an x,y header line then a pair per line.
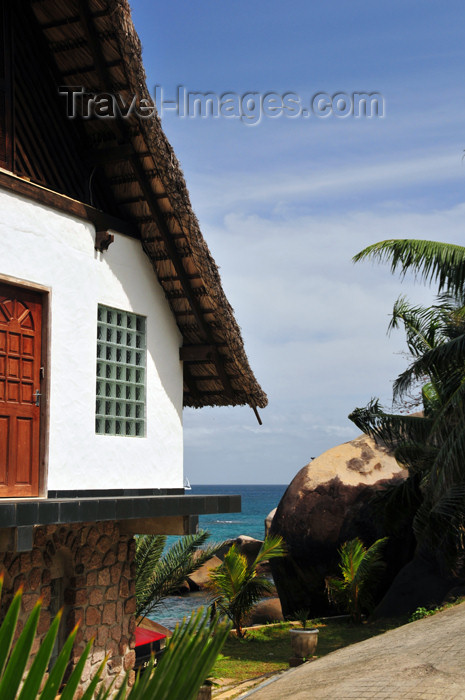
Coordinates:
x,y
415,456
448,467
439,362
236,585
272,548
360,568
430,261
187,661
431,398
423,325
171,570
371,563
149,549
396,503
391,429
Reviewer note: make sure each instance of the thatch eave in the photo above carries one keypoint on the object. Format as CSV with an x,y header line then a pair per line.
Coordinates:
x,y
94,44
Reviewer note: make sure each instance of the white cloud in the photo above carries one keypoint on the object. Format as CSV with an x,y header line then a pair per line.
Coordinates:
x,y
281,187
314,326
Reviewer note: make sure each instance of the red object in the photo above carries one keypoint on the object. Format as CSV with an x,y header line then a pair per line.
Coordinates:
x,y
20,387
147,637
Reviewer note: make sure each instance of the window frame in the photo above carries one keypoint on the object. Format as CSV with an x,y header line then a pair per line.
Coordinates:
x,y
121,373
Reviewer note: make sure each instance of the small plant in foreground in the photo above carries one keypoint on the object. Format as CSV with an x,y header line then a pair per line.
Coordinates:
x,y
360,568
187,661
303,616
237,585
420,613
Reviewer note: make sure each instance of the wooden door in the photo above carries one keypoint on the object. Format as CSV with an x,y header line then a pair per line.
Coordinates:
x,y
20,362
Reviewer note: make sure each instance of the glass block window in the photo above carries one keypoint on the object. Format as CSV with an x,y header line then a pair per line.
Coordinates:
x,y
121,360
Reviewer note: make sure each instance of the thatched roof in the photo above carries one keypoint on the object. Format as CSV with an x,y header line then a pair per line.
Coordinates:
x,y
94,44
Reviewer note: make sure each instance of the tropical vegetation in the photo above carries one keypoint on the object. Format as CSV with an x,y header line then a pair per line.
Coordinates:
x,y
187,661
160,574
430,445
237,585
267,649
361,568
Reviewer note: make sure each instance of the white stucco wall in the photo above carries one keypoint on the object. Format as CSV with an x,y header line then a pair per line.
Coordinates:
x,y
46,247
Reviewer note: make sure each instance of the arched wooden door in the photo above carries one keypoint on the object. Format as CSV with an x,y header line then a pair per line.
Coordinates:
x,y
20,362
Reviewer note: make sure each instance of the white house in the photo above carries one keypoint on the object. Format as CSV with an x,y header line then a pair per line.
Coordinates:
x,y
112,318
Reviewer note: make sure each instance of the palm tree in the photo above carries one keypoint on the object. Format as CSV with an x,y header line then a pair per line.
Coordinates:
x,y
237,585
187,661
430,447
360,568
431,261
159,575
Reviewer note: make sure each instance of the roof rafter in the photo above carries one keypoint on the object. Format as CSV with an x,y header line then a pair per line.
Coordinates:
x,y
93,37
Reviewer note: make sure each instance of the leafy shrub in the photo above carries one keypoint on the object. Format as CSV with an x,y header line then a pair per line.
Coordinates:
x,y
420,613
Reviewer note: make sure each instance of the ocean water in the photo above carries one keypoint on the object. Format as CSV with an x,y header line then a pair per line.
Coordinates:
x,y
257,502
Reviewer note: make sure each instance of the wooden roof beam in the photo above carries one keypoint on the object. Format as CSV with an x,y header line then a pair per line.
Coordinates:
x,y
193,391
93,37
219,392
137,200
212,378
193,353
191,312
175,278
71,20
123,179
101,220
100,156
164,257
89,69
174,294
257,415
168,241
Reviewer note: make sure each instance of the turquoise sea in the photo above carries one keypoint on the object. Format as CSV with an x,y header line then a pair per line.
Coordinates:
x,y
257,502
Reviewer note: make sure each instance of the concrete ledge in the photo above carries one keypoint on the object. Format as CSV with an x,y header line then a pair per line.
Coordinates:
x,y
30,511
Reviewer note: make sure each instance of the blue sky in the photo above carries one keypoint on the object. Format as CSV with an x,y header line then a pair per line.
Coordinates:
x,y
285,204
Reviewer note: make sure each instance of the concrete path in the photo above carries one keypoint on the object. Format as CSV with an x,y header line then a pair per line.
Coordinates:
x,y
425,659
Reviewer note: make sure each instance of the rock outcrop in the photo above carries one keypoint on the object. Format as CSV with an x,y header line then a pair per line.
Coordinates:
x,y
245,544
418,584
327,503
265,611
269,520
200,578
248,546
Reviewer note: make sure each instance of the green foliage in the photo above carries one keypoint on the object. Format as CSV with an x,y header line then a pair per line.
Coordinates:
x,y
14,658
237,586
441,263
420,613
188,660
268,649
360,568
303,616
430,447
159,575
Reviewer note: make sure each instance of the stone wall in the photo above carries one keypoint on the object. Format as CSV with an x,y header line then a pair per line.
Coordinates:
x,y
88,569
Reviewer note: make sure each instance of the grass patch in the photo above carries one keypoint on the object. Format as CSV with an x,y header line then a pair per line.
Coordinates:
x,y
268,649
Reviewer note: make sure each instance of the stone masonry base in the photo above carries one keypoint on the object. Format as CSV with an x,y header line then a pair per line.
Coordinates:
x,y
88,570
